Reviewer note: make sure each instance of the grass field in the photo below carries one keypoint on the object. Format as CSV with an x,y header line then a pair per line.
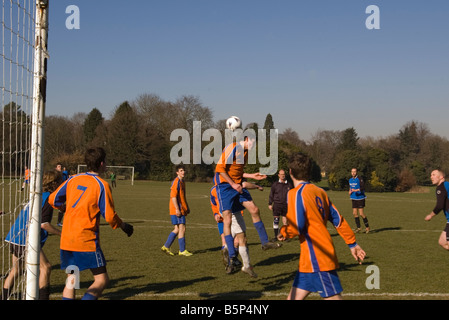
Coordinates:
x,y
402,245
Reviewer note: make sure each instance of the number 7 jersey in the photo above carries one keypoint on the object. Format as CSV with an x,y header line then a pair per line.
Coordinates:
x,y
86,196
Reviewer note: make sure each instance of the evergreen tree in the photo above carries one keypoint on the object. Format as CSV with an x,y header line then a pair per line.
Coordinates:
x,y
93,120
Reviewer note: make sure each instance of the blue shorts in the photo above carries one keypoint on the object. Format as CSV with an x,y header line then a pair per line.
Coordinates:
x,y
231,199
326,283
83,260
177,220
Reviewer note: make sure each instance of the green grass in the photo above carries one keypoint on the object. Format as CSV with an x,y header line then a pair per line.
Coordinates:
x,y
402,245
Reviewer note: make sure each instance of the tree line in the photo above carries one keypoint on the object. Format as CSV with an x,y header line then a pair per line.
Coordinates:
x,y
137,133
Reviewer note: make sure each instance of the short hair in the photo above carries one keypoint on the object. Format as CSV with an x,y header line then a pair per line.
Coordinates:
x,y
300,166
441,172
179,166
94,157
51,180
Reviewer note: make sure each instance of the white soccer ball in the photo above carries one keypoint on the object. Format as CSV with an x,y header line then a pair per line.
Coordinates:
x,y
233,123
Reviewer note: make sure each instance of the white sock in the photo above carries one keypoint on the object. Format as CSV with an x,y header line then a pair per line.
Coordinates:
x,y
243,251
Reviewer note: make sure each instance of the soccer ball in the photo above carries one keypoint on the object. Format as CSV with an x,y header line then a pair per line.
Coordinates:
x,y
233,123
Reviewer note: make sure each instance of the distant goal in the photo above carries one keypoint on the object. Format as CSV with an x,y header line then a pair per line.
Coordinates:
x,y
122,173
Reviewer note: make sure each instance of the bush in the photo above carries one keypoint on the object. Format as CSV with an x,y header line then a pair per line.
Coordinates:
x,y
406,181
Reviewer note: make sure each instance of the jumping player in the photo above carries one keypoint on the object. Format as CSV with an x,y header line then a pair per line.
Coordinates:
x,y
87,197
309,210
179,209
228,181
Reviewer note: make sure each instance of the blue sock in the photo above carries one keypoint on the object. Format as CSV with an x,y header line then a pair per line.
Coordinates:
x,y
64,298
170,239
88,296
230,244
182,244
220,227
260,227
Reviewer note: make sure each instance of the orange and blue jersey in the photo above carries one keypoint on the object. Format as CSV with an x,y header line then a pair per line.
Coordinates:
x,y
87,198
178,191
232,161
214,202
309,210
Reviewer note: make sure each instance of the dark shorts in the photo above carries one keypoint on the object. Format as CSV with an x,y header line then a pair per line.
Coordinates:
x,y
17,251
279,210
446,229
358,204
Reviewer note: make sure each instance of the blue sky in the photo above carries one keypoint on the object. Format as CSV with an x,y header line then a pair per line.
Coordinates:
x,y
312,64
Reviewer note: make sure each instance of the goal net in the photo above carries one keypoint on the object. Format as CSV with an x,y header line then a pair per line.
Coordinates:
x,y
21,137
121,174
17,65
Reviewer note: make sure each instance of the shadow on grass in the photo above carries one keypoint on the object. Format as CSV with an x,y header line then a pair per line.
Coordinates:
x,y
335,234
233,295
151,288
288,257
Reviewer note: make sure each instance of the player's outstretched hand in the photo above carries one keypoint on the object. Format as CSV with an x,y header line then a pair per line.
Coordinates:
x,y
358,253
259,176
127,228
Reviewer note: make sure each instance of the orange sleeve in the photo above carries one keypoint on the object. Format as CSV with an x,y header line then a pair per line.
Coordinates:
x,y
109,209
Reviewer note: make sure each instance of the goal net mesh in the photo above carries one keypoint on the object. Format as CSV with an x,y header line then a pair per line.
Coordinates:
x,y
16,90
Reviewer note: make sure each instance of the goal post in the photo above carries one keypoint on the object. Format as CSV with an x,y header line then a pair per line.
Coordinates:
x,y
37,142
125,173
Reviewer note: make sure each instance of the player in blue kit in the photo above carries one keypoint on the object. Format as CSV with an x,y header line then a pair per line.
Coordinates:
x,y
357,195
18,235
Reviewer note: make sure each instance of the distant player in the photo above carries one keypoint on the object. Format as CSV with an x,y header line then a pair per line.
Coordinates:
x,y
228,179
65,174
309,210
113,179
442,195
87,198
17,238
179,209
27,178
357,195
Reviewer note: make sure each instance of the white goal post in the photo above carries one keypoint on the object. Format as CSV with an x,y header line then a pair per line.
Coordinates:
x,y
121,172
